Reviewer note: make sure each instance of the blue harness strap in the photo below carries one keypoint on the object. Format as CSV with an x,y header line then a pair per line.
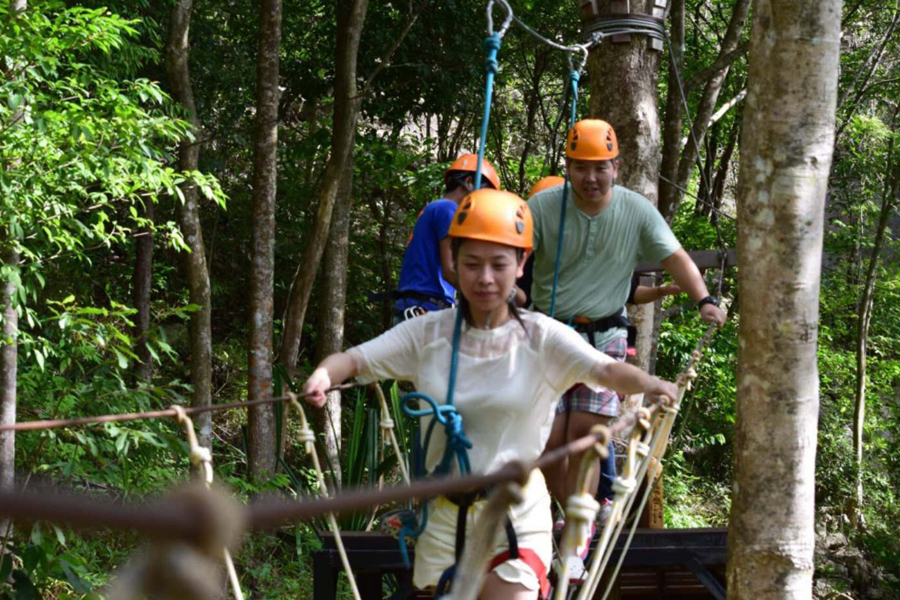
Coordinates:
x,y
574,77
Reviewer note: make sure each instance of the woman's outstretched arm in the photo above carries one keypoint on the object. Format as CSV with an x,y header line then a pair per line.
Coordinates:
x,y
334,370
628,379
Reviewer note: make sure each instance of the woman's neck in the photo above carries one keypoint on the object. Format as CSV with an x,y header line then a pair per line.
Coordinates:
x,y
490,319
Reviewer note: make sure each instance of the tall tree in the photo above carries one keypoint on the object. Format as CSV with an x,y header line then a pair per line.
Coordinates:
x,y
261,419
786,153
632,70
350,18
9,353
178,71
332,306
889,200
141,283
678,160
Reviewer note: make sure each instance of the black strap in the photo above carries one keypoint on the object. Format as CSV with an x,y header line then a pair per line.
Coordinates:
x,y
512,539
407,294
613,321
462,512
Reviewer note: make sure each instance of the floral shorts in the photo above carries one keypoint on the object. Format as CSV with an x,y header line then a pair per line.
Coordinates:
x,y
605,402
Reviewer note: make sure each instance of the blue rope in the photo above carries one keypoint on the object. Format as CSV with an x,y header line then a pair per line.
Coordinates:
x,y
457,445
574,76
491,45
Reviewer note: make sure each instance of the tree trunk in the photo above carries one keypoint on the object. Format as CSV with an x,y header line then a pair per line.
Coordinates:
x,y
332,305
673,128
141,286
631,69
867,298
786,153
669,201
178,71
9,351
9,364
261,419
350,18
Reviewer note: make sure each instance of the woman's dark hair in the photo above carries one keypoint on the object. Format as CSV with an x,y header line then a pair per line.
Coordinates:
x,y
457,179
455,244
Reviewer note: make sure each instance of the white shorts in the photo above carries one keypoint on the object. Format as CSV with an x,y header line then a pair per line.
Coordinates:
x,y
436,547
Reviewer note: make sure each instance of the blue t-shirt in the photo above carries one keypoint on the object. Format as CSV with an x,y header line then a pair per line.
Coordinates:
x,y
421,270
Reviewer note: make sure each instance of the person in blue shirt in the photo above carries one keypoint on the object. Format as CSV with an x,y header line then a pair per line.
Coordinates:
x,y
427,278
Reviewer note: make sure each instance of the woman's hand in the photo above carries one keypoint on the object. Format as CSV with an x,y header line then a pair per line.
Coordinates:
x,y
662,389
315,387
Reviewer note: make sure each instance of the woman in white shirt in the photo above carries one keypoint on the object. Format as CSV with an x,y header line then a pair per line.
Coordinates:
x,y
513,366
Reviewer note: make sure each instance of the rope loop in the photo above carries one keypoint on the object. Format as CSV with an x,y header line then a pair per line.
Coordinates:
x,y
307,436
506,21
386,423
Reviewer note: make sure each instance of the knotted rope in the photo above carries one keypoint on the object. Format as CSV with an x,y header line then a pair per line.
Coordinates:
x,y
308,439
201,458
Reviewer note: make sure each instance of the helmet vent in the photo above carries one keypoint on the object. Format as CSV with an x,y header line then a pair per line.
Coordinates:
x,y
462,217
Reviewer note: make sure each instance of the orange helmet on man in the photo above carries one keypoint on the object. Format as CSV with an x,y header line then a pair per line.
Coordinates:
x,y
592,139
494,216
468,163
546,183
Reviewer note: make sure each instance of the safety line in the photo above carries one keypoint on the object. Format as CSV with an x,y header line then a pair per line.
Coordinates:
x,y
154,414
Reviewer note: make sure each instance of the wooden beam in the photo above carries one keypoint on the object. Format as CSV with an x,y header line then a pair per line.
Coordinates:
x,y
705,259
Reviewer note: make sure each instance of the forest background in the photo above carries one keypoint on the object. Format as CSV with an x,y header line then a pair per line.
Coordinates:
x,y
130,227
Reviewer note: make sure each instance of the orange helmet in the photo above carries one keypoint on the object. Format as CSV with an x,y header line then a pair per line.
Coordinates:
x,y
592,139
546,183
469,162
494,216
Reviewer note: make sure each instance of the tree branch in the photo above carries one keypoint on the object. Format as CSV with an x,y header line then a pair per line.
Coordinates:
x,y
720,63
386,59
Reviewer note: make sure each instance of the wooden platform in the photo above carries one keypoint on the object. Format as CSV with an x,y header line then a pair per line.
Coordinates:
x,y
669,564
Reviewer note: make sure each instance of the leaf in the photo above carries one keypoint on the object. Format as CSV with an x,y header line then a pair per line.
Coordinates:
x,y
6,566
39,357
78,584
25,590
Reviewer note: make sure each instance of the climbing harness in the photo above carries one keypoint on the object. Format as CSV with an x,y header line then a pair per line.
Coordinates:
x,y
201,458
308,439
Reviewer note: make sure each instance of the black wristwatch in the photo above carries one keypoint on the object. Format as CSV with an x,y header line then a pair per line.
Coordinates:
x,y
708,300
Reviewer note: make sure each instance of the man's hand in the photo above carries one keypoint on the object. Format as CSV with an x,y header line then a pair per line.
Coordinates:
x,y
662,389
712,314
315,387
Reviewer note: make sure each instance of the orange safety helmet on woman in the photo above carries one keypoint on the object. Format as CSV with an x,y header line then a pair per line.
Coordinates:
x,y
592,139
469,162
494,216
546,183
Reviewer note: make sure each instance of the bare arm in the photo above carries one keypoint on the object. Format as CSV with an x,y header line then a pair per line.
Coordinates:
x,y
335,369
628,379
687,276
645,294
447,269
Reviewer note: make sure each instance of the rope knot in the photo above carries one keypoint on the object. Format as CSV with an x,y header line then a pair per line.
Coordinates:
x,y
492,42
624,486
582,508
307,436
491,65
643,449
574,77
386,423
456,435
200,455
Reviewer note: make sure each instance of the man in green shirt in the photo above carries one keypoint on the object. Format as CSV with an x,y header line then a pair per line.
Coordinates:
x,y
608,230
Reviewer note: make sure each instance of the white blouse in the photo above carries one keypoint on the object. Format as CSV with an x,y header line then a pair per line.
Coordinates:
x,y
509,379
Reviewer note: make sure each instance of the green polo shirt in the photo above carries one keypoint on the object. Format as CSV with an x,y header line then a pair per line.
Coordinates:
x,y
598,253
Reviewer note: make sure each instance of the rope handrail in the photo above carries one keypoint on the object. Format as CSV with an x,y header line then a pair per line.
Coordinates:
x,y
170,520
154,414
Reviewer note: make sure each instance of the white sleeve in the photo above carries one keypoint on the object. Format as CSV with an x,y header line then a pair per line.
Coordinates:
x,y
392,355
569,358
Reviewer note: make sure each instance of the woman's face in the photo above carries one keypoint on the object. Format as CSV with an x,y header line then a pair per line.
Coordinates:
x,y
487,272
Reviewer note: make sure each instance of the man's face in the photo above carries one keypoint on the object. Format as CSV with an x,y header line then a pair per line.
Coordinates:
x,y
592,180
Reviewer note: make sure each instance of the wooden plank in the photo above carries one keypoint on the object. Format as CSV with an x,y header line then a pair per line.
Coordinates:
x,y
704,259
706,578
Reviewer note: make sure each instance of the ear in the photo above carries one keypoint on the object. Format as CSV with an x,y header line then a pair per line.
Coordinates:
x,y
615,168
470,183
520,268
